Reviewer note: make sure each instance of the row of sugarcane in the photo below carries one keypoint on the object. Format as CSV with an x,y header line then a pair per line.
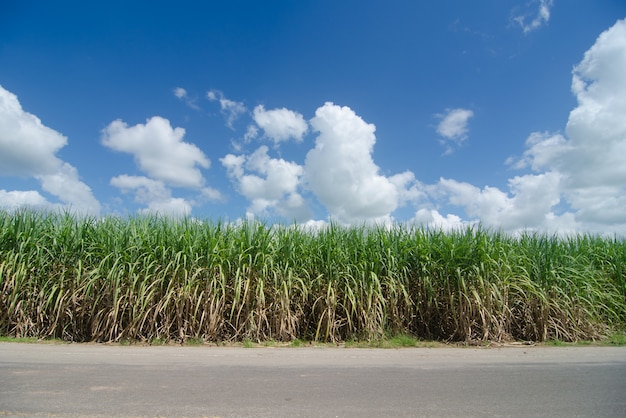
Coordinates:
x,y
148,278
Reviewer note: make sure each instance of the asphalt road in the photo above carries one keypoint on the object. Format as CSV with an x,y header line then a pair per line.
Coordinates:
x,y
100,380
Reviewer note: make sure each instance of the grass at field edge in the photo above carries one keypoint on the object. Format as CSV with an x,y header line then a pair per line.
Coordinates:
x,y
401,341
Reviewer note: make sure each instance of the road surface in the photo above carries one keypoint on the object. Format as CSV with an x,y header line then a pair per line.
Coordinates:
x,y
80,380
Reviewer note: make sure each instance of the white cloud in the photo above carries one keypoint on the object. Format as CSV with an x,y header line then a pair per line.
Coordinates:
x,y
590,159
281,176
409,189
66,185
159,151
453,123
314,225
453,127
251,133
533,20
432,219
212,194
180,92
340,169
542,149
17,199
182,95
234,165
579,179
280,124
272,186
152,193
597,127
146,189
528,205
230,109
28,149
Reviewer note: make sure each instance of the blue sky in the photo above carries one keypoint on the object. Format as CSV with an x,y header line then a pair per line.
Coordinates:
x,y
509,113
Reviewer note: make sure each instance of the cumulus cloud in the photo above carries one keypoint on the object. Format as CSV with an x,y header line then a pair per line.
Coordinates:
x,y
152,193
578,179
432,219
453,127
66,185
280,124
230,109
27,146
212,194
590,157
159,150
528,205
532,20
161,153
28,149
271,184
410,190
542,149
597,127
340,170
16,199
234,165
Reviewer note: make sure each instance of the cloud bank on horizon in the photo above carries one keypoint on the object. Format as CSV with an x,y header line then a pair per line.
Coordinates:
x,y
568,181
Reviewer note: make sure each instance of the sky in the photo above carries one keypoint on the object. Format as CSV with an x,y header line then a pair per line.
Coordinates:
x,y
508,114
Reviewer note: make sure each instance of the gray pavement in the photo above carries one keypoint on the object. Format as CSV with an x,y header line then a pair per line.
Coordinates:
x,y
81,380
